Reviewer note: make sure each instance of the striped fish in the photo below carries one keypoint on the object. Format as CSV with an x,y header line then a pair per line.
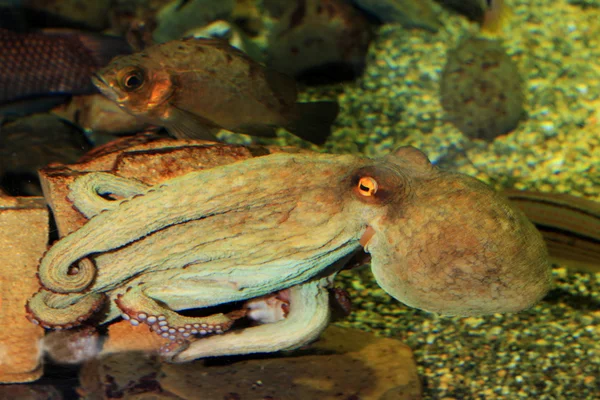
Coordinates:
x,y
570,226
39,70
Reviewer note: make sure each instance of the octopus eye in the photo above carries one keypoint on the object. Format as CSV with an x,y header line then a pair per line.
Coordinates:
x,y
132,80
367,186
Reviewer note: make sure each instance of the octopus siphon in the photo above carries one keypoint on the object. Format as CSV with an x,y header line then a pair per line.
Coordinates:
x,y
282,226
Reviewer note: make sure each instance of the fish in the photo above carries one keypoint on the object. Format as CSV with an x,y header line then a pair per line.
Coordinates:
x,y
194,87
569,224
41,69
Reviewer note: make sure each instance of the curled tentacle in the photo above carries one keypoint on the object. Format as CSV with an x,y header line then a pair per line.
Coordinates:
x,y
73,276
87,192
57,311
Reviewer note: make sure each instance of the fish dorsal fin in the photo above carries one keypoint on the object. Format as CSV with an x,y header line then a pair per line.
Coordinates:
x,y
218,43
221,44
185,125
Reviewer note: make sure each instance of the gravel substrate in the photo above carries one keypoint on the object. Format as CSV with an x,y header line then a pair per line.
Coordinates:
x,y
553,350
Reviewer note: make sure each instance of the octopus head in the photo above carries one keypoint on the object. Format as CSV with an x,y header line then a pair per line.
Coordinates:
x,y
450,244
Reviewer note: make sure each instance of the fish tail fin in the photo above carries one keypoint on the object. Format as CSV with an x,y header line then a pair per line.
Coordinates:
x,y
313,121
494,17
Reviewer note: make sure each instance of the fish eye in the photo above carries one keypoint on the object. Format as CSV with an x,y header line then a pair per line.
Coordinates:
x,y
132,80
367,186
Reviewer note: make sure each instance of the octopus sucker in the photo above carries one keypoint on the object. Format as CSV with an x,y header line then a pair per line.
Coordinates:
x,y
137,308
278,226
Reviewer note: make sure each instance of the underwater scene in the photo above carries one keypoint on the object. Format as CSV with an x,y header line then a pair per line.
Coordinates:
x,y
300,199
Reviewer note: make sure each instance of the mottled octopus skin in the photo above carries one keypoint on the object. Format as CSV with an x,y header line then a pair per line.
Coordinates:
x,y
439,241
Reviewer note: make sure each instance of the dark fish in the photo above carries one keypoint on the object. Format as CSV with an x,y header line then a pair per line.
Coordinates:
x,y
39,69
570,226
194,87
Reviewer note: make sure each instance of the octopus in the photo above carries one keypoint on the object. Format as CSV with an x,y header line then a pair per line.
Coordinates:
x,y
267,235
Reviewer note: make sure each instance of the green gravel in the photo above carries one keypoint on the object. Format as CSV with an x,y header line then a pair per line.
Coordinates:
x,y
550,351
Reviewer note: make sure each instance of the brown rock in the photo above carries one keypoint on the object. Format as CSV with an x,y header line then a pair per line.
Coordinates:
x,y
23,238
343,364
481,89
313,34
122,336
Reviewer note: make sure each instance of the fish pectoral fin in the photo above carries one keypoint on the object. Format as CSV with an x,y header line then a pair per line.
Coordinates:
x,y
186,125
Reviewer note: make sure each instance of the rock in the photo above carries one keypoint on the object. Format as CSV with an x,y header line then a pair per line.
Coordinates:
x,y
23,236
343,364
310,36
124,337
481,89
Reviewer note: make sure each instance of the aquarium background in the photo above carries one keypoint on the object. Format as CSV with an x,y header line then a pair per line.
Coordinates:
x,y
549,143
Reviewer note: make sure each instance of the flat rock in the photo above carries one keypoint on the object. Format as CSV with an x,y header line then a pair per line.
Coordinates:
x,y
343,364
23,238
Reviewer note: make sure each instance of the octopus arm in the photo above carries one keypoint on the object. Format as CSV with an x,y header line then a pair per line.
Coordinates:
x,y
307,318
60,311
189,197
